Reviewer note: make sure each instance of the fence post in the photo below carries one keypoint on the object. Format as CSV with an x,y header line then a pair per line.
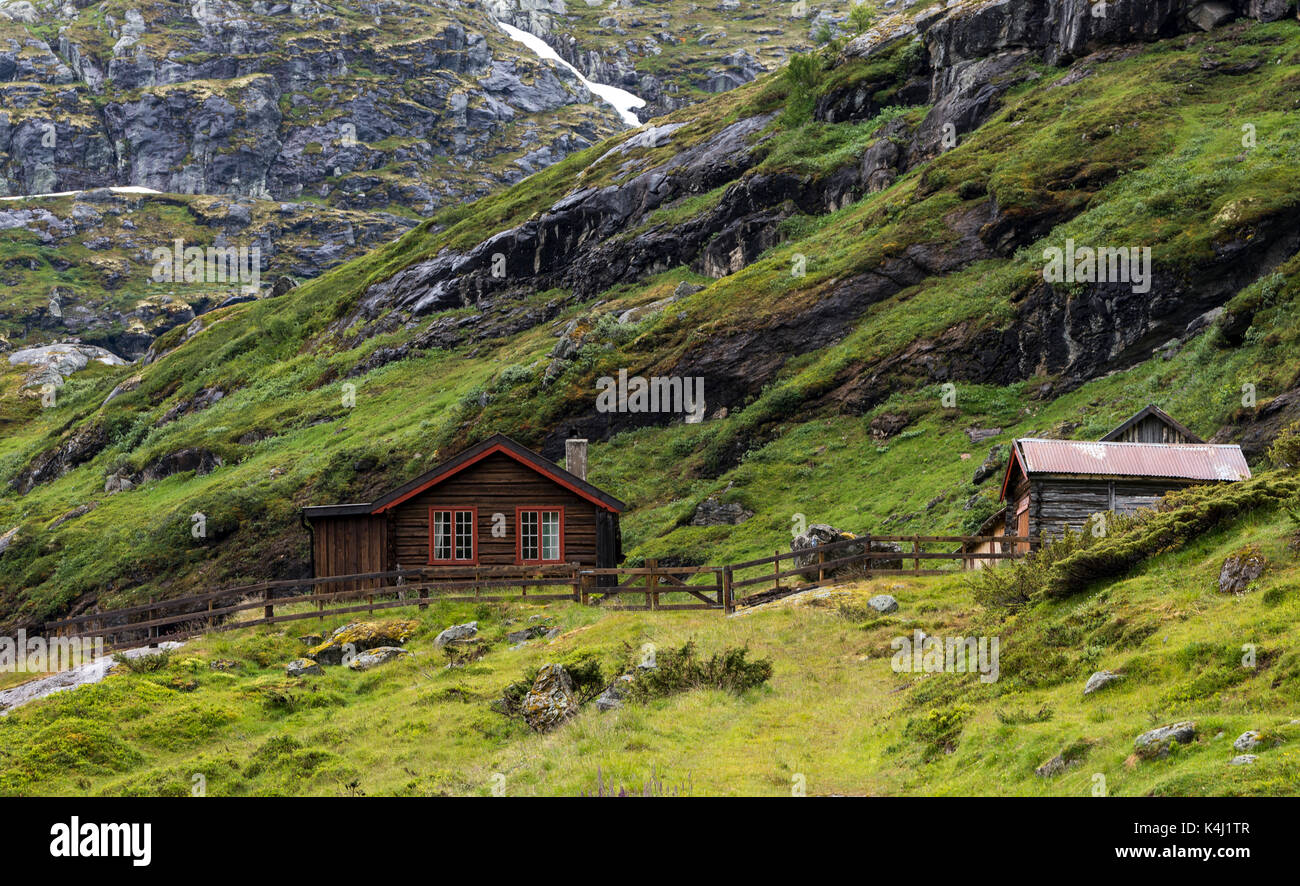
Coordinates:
x,y
776,571
916,549
821,569
153,630
270,607
728,599
211,625
652,585
584,595
577,583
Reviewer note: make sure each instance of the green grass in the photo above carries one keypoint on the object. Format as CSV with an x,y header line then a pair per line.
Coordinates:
x,y
834,717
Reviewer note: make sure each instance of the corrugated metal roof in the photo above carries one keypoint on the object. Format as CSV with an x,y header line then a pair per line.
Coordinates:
x,y
1184,461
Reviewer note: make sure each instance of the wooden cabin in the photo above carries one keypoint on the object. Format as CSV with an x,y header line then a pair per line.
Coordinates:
x,y
989,531
1052,485
495,504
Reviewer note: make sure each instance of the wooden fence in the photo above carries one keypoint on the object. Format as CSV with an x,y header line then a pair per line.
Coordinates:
x,y
181,617
657,587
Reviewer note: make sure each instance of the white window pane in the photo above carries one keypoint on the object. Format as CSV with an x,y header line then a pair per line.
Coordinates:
x,y
442,535
551,535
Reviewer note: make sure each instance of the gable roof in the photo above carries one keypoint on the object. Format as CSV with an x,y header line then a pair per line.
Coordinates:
x,y
497,443
1151,411
1174,461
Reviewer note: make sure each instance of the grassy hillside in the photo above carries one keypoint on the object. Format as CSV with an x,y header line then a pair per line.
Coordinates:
x,y
834,717
1172,175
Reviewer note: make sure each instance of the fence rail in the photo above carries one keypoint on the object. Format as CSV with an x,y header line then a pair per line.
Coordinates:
x,y
658,587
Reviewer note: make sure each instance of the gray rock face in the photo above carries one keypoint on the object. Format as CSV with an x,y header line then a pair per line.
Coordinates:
x,y
247,104
56,362
1157,742
1100,680
551,701
456,632
1269,10
1243,760
1247,741
1208,16
302,667
373,658
883,603
712,512
1239,570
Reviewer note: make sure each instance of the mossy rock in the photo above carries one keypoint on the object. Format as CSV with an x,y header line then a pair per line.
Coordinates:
x,y
360,636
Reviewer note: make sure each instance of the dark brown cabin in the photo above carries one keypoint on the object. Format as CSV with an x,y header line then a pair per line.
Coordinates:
x,y
495,504
1054,485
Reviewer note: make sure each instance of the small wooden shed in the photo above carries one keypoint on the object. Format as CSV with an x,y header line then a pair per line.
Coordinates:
x,y
1052,485
495,504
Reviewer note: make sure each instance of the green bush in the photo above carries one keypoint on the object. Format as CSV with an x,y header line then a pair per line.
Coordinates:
x,y
1285,451
938,729
680,670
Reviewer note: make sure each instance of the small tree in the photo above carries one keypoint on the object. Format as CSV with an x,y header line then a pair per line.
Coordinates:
x,y
860,17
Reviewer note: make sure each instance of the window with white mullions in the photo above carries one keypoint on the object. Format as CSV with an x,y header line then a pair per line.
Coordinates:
x,y
540,534
452,536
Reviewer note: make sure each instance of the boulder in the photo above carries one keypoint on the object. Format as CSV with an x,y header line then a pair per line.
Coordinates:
x,y
1246,741
551,701
712,512
1269,10
301,667
529,633
1243,760
883,603
806,543
360,636
1052,767
1100,680
614,694
1240,569
1208,16
992,465
1157,742
456,632
375,657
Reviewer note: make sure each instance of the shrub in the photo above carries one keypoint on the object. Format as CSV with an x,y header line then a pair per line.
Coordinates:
x,y
682,669
145,664
938,729
860,18
1285,451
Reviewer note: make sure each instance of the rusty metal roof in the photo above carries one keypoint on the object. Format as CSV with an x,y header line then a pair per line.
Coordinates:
x,y
1183,461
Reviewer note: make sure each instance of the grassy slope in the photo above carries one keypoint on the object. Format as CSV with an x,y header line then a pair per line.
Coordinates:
x,y
282,372
834,710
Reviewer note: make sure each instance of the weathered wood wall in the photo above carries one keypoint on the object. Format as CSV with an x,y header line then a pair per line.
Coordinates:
x,y
1060,503
1152,430
349,545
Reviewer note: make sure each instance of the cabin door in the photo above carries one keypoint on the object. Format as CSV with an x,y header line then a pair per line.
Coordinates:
x,y
1022,524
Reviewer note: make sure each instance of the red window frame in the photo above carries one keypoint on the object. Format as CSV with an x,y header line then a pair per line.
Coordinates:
x,y
519,533
473,539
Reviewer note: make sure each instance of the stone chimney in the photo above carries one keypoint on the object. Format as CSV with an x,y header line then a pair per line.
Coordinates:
x,y
575,458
